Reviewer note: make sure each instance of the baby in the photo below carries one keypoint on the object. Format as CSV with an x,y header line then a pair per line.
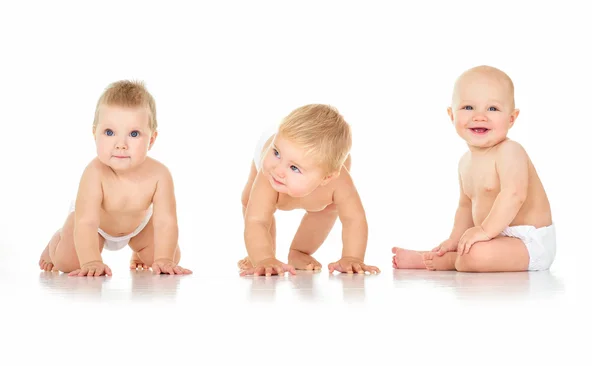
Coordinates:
x,y
124,197
503,222
304,165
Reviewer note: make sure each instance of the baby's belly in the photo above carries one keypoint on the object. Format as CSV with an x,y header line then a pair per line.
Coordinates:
x,y
121,224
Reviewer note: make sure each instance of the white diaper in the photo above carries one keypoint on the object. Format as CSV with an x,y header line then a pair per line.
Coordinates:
x,y
540,243
258,151
114,243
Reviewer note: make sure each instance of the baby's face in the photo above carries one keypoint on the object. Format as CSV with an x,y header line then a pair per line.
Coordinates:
x,y
289,170
482,110
123,136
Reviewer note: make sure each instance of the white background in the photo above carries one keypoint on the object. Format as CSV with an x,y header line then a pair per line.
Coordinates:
x,y
223,71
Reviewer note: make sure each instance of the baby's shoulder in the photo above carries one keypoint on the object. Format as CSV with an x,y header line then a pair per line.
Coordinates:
x,y
156,169
510,149
96,168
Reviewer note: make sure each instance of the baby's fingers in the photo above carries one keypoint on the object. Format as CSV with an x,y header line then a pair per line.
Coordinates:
x,y
269,270
247,272
468,247
370,269
288,268
357,267
75,272
334,267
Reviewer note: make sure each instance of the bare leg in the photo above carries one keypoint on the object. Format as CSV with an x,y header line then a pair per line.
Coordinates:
x,y
143,246
501,254
45,261
60,252
312,232
136,262
407,259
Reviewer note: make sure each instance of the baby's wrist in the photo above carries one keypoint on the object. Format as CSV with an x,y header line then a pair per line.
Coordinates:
x,y
163,259
97,261
485,231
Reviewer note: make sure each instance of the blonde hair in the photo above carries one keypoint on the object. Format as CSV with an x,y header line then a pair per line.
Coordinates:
x,y
125,93
322,131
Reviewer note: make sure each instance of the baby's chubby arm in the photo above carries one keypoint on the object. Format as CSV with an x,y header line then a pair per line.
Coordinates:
x,y
87,215
259,212
355,229
164,217
512,167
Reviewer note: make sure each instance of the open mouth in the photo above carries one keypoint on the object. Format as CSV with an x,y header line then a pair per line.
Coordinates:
x,y
479,130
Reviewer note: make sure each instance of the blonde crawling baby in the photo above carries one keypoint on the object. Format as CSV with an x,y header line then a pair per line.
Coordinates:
x,y
125,198
503,221
304,165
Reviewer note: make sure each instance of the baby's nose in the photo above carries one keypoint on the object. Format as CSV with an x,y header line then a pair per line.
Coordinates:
x,y
480,117
280,171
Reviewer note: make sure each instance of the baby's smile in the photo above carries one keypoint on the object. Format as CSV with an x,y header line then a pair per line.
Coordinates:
x,y
479,130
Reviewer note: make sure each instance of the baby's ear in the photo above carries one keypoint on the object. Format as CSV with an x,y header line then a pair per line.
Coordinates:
x,y
513,117
152,139
450,114
329,177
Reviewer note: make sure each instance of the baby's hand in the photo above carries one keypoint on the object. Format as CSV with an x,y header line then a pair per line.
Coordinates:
x,y
351,265
447,245
96,268
167,266
267,267
470,237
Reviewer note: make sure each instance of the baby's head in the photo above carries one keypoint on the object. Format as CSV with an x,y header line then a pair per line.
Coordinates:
x,y
124,124
483,106
309,149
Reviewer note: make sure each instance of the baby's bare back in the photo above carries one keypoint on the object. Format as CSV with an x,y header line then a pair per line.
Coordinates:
x,y
127,198
481,183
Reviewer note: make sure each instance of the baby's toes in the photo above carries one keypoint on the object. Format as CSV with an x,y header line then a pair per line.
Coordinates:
x,y
428,256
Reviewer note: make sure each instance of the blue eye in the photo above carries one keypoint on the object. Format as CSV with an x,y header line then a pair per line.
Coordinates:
x,y
493,109
469,108
134,133
108,132
276,153
295,169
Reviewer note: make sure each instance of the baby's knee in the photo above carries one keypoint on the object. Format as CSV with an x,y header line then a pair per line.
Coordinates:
x,y
64,265
467,263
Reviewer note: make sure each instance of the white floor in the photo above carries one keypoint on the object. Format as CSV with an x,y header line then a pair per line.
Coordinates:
x,y
212,318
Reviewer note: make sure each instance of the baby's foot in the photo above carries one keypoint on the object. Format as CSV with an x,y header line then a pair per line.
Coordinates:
x,y
407,259
303,261
434,262
244,264
136,262
45,261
